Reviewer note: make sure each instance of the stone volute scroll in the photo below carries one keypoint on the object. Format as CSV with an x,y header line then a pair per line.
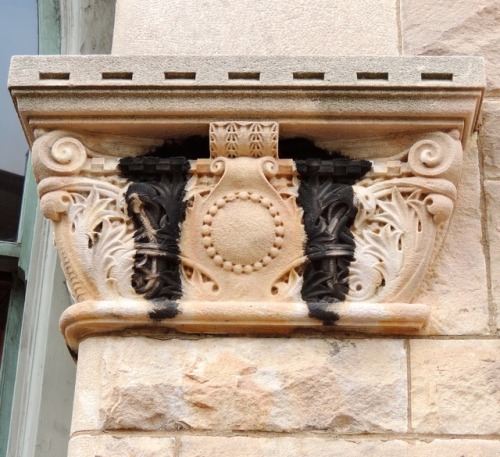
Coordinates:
x,y
328,217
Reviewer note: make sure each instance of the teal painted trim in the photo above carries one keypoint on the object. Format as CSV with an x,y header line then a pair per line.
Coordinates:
x,y
49,27
9,249
29,209
9,359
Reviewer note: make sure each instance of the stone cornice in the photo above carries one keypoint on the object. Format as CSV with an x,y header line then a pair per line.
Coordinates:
x,y
346,98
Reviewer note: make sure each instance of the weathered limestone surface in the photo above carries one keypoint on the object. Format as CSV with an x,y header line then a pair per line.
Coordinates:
x,y
121,446
454,27
456,286
490,139
325,447
226,384
242,446
492,190
290,447
455,386
292,27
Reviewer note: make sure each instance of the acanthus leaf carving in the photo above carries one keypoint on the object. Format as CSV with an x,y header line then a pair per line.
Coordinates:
x,y
404,209
93,233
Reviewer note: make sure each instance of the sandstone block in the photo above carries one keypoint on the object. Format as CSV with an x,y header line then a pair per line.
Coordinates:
x,y
490,139
241,446
454,27
289,447
454,448
120,446
492,190
298,27
455,386
456,285
268,384
328,447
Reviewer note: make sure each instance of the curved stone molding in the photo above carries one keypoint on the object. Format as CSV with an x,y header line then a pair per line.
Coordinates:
x,y
233,317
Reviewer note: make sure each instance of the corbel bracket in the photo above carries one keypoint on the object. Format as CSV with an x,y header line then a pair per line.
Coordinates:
x,y
249,229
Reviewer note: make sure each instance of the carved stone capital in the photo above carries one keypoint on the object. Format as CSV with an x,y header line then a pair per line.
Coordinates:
x,y
245,241
221,227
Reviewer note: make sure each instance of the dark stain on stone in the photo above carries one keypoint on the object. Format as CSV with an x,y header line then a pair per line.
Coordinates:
x,y
163,309
320,311
327,198
155,202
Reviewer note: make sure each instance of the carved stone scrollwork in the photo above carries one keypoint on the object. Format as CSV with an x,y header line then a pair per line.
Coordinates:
x,y
404,208
82,194
244,236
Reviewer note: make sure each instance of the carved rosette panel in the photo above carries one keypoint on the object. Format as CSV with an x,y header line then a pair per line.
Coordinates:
x,y
243,236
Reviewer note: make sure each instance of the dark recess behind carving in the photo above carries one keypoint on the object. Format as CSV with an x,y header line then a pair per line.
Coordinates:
x,y
197,147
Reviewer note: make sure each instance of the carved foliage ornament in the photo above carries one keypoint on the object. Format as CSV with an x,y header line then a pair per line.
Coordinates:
x,y
245,225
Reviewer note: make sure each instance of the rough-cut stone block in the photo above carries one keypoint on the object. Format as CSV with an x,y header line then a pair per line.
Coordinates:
x,y
326,447
454,27
456,286
455,386
298,27
492,190
490,139
120,446
267,384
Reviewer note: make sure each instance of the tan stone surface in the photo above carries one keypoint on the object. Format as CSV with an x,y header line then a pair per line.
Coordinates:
x,y
492,191
120,446
266,27
490,138
289,447
454,27
455,386
248,384
87,386
327,447
456,286
454,448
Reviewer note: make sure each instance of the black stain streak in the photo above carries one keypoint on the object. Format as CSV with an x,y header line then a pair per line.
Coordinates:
x,y
327,198
163,309
319,311
155,203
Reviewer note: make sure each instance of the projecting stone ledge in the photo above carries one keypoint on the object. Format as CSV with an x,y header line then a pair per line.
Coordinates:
x,y
143,318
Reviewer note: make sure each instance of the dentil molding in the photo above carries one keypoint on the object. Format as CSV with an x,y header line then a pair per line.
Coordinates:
x,y
246,195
